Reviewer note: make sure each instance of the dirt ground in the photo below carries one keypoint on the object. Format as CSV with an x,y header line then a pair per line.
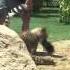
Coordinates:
x,y
61,57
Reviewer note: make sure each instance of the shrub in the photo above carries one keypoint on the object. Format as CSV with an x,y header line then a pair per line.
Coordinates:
x,y
65,10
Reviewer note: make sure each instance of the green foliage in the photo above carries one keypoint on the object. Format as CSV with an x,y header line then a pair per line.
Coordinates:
x,y
65,10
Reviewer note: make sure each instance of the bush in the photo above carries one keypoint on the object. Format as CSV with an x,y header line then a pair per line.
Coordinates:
x,y
65,11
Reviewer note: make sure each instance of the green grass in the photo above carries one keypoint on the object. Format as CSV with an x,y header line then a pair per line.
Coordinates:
x,y
56,30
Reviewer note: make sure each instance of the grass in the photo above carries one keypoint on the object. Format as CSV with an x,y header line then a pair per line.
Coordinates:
x,y
57,31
